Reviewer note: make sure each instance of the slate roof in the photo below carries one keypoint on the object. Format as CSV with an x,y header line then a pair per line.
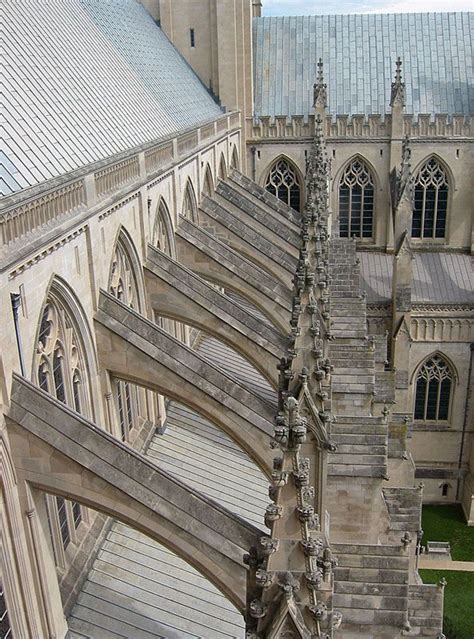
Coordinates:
x,y
359,53
438,278
85,79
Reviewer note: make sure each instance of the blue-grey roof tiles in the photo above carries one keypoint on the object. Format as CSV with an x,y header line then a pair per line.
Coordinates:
x,y
359,53
85,79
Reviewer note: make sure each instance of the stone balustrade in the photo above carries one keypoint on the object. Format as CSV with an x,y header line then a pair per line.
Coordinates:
x,y
359,126
23,212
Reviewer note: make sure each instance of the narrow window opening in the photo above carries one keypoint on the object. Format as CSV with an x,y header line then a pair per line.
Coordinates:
x,y
444,490
192,38
5,629
63,525
457,154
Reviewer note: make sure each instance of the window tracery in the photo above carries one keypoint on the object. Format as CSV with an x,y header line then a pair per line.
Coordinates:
x,y
61,371
123,283
282,181
356,201
124,286
433,390
430,201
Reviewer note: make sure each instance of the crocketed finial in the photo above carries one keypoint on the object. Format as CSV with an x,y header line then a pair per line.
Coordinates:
x,y
398,86
319,88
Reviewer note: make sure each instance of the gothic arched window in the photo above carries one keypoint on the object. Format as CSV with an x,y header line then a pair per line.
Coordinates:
x,y
189,210
161,234
61,371
430,201
234,163
123,284
208,186
222,169
433,390
283,182
356,201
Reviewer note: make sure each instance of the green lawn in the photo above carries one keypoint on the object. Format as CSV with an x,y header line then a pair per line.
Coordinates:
x,y
447,523
458,601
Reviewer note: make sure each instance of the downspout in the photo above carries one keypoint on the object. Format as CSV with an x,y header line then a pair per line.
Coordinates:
x,y
464,425
16,303
253,151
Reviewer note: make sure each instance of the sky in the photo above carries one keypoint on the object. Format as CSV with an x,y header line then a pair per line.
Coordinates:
x,y
314,7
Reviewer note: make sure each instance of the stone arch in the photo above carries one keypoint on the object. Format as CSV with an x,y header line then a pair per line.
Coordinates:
x,y
126,271
442,162
222,168
234,162
189,209
163,232
61,299
74,459
437,352
338,182
291,190
208,184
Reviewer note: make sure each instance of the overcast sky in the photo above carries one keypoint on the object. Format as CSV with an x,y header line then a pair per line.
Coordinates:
x,y
314,7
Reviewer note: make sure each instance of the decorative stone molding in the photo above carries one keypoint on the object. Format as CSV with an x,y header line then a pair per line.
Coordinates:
x,y
447,329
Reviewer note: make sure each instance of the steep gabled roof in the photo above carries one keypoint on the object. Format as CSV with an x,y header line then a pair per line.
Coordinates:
x,y
359,53
85,79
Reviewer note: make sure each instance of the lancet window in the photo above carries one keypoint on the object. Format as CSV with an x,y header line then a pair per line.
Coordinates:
x,y
161,238
208,186
234,163
124,286
222,169
430,201
189,210
283,182
356,201
61,371
433,390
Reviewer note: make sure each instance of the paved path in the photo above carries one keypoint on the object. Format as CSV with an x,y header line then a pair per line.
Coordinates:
x,y
445,564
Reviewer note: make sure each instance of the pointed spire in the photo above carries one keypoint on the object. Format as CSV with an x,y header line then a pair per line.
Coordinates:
x,y
398,86
320,89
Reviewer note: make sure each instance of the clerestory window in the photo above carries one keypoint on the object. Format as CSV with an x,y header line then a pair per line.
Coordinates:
x,y
433,390
123,285
283,182
62,372
356,201
430,201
